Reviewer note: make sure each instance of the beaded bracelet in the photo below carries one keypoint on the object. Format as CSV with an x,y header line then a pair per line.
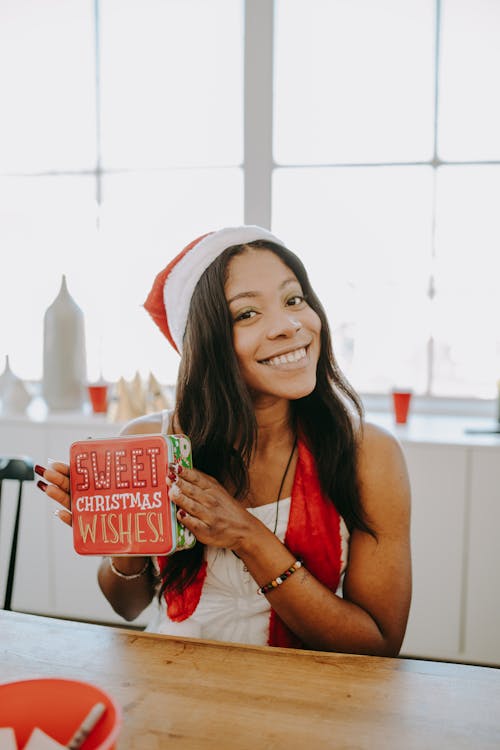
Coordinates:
x,y
128,576
280,579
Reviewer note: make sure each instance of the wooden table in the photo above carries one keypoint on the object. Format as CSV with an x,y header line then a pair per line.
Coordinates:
x,y
185,693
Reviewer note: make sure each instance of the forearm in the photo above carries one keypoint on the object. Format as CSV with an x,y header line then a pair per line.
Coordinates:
x,y
321,619
128,596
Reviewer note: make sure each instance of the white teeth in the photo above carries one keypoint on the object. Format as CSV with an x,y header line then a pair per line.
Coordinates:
x,y
283,359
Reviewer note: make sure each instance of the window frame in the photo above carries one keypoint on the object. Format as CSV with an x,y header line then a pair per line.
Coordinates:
x,y
259,165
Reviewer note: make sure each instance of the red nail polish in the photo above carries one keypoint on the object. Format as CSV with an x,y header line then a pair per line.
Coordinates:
x,y
172,476
182,513
179,469
42,485
39,470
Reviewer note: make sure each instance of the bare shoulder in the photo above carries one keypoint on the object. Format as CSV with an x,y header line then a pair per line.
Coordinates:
x,y
382,473
149,424
376,442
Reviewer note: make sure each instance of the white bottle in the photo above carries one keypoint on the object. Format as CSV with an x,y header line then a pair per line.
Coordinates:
x,y
14,396
64,358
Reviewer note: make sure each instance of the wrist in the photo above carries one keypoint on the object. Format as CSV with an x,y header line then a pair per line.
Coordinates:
x,y
129,567
252,540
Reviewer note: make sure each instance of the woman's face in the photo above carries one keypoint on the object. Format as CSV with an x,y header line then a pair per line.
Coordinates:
x,y
276,334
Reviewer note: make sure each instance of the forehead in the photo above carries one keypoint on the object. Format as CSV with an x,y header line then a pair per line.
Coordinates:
x,y
257,270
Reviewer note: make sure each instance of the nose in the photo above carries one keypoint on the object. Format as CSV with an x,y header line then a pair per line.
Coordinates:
x,y
284,325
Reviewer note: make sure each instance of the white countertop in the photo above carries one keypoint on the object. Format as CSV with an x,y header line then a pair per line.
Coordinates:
x,y
439,428
421,428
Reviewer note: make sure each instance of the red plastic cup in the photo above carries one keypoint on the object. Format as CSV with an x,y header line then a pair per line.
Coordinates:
x,y
98,395
58,707
401,404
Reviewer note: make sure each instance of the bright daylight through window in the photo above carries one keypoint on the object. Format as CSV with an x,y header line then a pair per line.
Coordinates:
x,y
383,171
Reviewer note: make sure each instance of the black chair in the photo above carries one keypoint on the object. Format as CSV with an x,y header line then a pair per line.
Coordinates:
x,y
20,469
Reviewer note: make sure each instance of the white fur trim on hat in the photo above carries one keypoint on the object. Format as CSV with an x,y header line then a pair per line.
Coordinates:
x,y
184,276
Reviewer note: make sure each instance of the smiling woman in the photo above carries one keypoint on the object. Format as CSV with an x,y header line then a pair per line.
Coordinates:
x,y
276,335
300,509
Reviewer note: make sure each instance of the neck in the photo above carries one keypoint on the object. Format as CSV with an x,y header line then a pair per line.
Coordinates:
x,y
274,426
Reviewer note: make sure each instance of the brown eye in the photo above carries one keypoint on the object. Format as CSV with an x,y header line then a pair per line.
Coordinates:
x,y
245,315
297,299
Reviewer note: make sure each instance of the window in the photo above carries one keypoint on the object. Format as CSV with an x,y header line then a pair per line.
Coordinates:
x,y
121,139
366,135
387,170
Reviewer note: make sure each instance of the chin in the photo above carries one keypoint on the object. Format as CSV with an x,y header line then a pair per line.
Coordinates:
x,y
299,390
301,393
291,388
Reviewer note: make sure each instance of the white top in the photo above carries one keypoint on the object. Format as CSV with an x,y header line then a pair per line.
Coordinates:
x,y
230,609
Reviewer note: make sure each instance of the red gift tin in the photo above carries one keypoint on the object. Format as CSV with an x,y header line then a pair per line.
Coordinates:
x,y
119,496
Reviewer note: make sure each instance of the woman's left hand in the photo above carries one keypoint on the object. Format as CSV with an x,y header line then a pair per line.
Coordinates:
x,y
208,510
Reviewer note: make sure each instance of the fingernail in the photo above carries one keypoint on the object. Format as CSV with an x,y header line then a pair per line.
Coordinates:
x,y
182,513
175,468
39,470
42,485
172,476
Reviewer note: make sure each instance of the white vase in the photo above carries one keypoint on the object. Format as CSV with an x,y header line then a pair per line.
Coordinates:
x,y
64,357
14,396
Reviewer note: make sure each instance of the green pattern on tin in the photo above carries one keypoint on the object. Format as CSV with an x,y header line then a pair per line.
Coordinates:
x,y
180,453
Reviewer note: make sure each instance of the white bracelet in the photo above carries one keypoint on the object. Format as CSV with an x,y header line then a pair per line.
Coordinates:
x,y
128,576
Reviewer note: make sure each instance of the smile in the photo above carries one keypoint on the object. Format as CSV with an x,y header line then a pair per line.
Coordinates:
x,y
284,359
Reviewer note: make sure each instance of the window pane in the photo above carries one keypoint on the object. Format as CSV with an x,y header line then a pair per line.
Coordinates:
x,y
47,85
47,228
145,221
354,80
469,107
467,305
171,82
365,237
48,225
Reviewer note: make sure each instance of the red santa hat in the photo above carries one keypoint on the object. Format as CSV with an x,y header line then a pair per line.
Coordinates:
x,y
169,299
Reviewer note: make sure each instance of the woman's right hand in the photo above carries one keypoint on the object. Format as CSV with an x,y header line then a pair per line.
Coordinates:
x,y
55,484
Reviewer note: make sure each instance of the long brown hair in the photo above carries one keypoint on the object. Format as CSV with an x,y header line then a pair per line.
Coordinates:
x,y
214,407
